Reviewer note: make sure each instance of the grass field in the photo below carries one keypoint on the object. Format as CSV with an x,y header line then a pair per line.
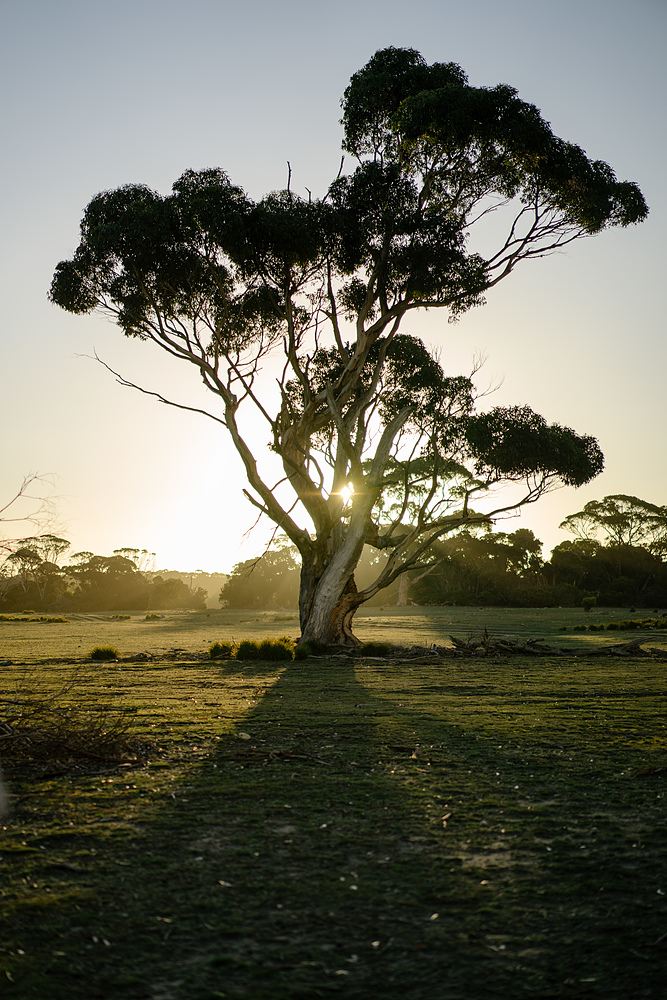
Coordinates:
x,y
194,631
469,831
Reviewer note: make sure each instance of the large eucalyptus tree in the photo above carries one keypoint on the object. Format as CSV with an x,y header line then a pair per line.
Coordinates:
x,y
379,445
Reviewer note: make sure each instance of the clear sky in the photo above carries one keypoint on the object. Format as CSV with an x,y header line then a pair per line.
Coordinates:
x,y
99,94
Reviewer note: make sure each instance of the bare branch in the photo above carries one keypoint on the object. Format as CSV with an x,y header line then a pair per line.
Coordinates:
x,y
157,395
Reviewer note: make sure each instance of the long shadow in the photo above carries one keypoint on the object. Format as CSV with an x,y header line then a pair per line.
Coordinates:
x,y
337,844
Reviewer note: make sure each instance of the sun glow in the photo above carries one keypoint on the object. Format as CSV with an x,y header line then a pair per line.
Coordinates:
x,y
346,493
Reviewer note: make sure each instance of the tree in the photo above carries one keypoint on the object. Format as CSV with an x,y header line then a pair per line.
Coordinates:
x,y
572,562
34,562
621,520
487,568
174,593
378,445
107,582
616,574
270,581
142,559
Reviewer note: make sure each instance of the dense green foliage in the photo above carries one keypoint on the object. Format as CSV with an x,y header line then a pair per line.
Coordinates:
x,y
618,574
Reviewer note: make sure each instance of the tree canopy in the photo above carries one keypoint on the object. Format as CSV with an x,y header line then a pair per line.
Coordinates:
x,y
621,520
33,575
379,445
272,581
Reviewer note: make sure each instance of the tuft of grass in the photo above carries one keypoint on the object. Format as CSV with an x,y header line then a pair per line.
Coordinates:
x,y
104,653
247,650
375,649
272,650
278,650
311,647
219,650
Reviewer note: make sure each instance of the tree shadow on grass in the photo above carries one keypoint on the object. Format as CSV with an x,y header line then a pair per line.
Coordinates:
x,y
339,842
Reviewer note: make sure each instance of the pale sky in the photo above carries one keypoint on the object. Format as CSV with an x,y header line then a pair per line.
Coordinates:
x,y
96,95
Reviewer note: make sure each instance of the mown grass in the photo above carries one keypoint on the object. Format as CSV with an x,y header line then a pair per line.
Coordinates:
x,y
474,830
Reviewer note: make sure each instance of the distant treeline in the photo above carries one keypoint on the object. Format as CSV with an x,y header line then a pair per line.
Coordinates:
x,y
623,566
618,558
36,577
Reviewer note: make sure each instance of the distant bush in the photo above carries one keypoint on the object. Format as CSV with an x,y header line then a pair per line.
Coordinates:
x,y
120,618
104,653
588,603
643,623
219,650
152,618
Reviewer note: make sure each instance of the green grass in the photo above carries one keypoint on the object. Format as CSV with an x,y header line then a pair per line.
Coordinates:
x,y
103,653
184,633
474,830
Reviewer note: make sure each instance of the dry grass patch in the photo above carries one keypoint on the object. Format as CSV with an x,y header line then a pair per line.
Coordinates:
x,y
43,727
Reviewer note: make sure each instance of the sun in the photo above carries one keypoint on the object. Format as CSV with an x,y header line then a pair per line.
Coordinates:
x,y
346,493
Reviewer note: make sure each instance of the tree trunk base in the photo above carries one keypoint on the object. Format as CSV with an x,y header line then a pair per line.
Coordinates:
x,y
335,629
